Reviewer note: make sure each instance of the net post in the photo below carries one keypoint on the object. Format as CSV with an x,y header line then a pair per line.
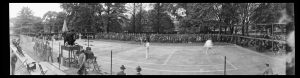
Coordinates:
x,y
52,52
225,66
111,62
88,40
59,56
273,39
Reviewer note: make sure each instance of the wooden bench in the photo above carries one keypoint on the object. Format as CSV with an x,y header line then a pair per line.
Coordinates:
x,y
44,67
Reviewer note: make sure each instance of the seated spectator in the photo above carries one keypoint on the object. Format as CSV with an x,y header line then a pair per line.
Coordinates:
x,y
89,56
268,70
122,70
138,69
82,63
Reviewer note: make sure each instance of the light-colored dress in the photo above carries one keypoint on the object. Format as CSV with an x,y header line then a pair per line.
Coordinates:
x,y
147,44
208,44
268,71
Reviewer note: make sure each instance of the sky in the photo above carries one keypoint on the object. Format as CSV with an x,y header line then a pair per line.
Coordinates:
x,y
38,9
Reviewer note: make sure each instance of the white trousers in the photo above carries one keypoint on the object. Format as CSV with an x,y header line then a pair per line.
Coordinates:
x,y
147,53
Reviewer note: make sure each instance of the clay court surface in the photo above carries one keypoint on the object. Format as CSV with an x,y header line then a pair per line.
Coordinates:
x,y
176,58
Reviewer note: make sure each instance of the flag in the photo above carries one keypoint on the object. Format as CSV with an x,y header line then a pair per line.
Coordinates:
x,y
65,28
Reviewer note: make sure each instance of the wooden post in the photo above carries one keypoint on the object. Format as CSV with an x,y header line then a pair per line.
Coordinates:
x,y
59,55
256,34
232,34
52,52
272,34
225,66
88,40
220,29
111,62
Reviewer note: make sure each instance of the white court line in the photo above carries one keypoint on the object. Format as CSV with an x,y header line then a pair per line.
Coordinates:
x,y
192,46
227,61
170,70
170,56
155,63
232,64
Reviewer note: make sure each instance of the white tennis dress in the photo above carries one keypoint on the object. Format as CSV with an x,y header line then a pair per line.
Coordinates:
x,y
147,52
147,44
208,43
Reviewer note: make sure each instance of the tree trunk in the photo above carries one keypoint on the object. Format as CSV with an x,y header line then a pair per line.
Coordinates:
x,y
50,29
158,18
243,30
133,16
225,30
220,29
247,29
231,30
108,19
247,19
140,27
214,29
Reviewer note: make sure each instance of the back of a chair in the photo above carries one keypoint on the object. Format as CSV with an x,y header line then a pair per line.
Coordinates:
x,y
89,54
42,70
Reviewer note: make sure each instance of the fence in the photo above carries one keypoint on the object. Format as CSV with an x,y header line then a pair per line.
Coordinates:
x,y
261,43
274,43
43,49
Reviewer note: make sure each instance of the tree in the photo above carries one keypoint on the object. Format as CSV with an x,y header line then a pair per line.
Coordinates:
x,y
133,15
114,14
84,16
266,13
25,21
132,10
158,10
195,15
59,21
140,17
49,19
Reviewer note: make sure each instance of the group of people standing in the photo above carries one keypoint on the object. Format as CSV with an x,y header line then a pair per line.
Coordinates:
x,y
122,72
43,49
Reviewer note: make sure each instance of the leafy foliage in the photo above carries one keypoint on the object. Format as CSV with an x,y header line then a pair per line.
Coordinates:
x,y
25,22
191,17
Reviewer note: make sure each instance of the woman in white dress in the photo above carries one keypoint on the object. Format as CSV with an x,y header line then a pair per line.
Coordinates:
x,y
147,45
208,45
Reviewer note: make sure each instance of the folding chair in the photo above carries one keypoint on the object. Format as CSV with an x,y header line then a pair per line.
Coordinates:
x,y
23,64
43,72
30,69
96,67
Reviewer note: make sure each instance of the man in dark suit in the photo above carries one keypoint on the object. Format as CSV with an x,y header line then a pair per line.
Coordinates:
x,y
268,70
69,37
138,69
13,62
122,70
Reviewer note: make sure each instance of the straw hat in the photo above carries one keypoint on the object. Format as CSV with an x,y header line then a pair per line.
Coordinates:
x,y
88,48
139,69
122,67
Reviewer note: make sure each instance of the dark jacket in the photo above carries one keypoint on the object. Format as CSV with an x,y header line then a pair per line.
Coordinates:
x,y
138,73
89,54
121,73
70,38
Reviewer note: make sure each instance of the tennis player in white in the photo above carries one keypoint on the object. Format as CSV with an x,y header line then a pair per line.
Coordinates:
x,y
208,45
147,45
